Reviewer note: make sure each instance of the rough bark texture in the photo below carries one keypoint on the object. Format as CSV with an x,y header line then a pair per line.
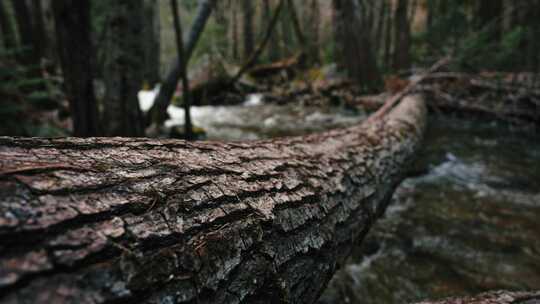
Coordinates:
x,y
117,220
497,297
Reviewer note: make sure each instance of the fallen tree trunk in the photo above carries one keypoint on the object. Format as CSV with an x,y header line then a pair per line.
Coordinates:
x,y
117,220
497,297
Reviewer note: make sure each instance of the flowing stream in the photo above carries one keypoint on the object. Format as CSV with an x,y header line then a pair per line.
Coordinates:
x,y
468,222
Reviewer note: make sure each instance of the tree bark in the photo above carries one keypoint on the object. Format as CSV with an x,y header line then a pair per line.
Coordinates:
x,y
123,68
72,24
167,221
497,297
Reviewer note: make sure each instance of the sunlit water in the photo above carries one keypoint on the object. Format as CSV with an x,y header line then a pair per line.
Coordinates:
x,y
469,223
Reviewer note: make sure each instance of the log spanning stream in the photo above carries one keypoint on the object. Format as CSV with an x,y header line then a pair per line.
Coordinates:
x,y
465,223
109,220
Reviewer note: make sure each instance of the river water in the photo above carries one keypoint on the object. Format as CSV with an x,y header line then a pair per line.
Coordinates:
x,y
468,221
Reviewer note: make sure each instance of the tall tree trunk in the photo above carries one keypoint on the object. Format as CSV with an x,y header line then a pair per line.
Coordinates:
x,y
151,42
123,68
274,51
186,94
167,221
287,32
353,47
72,24
39,31
8,33
158,113
402,33
247,26
378,31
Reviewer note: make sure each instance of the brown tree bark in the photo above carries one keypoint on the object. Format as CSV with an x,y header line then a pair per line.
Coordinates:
x,y
497,297
167,221
72,24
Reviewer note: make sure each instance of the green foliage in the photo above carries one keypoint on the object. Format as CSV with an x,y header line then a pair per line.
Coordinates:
x,y
456,30
25,99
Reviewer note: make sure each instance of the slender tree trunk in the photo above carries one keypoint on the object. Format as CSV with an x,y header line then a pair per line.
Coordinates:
x,y
353,47
402,58
123,68
151,42
72,23
158,113
8,33
186,94
247,26
166,221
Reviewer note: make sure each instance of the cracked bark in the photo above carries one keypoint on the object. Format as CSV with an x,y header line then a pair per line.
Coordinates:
x,y
117,220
